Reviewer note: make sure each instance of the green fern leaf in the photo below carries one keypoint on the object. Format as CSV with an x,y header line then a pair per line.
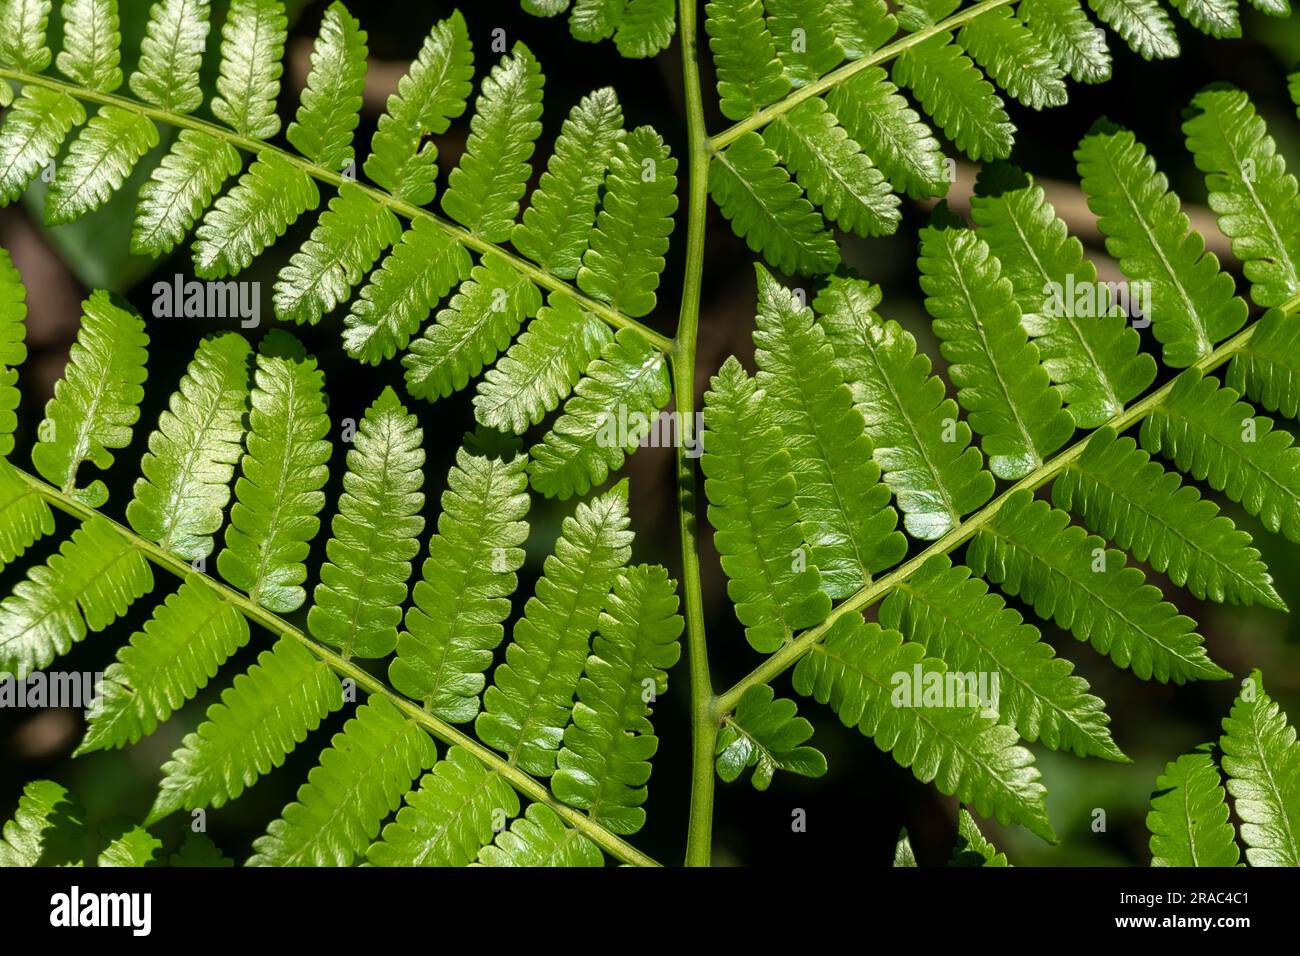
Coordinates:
x,y
1218,18
951,89
903,853
1266,368
13,351
1012,56
252,46
1188,820
861,26
610,413
833,170
767,209
843,506
252,215
962,750
171,55
541,367
528,705
1124,496
744,55
1191,305
540,838
625,255
464,596
85,587
478,323
278,494
35,127
98,162
957,620
358,782
1063,27
97,402
47,830
1143,25
262,716
412,279
973,848
1262,762
26,518
179,189
428,98
185,483
348,239
751,504
198,850
1092,357
330,110
357,605
935,481
129,846
645,27
765,734
890,132
557,223
91,40
1030,550
1009,397
22,28
1250,189
180,649
805,39
450,818
1212,436
591,20
605,761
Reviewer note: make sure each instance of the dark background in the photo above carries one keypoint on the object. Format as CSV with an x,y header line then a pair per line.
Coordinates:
x,y
856,810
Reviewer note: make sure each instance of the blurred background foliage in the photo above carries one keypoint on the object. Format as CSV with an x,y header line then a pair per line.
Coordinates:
x,y
855,811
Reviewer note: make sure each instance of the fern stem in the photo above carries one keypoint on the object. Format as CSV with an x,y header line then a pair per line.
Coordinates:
x,y
837,76
788,655
466,238
704,723
524,783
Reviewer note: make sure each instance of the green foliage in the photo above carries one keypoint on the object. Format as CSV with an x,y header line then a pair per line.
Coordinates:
x,y
1189,815
765,734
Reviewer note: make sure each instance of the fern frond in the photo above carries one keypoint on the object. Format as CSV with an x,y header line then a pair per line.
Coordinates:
x,y
1267,368
645,27
179,189
282,474
26,518
843,506
609,414
540,838
198,850
1063,27
1011,402
358,782
48,828
85,587
357,605
91,55
1262,762
35,127
190,635
449,818
767,209
263,715
13,350
22,28
962,750
557,224
171,55
412,279
1011,54
605,761
904,856
129,845
1218,18
1124,496
805,39
484,190
1250,190
934,480
957,620
1188,820
744,55
184,486
526,708
98,162
751,492
330,110
428,98
1142,24
973,848
1090,354
463,597
1192,305
1030,550
97,402
625,254
543,365
861,26
252,46
1209,434
765,734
